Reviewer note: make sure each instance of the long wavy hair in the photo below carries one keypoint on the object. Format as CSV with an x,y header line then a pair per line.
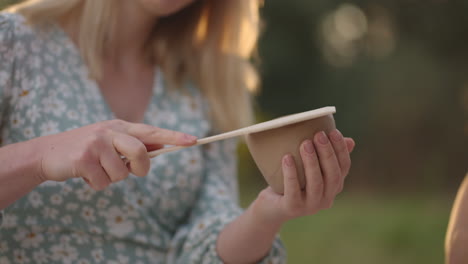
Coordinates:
x,y
210,43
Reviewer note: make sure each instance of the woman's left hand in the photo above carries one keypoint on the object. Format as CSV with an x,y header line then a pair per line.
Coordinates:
x,y
326,163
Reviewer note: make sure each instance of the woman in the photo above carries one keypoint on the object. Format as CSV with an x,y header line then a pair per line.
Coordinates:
x,y
84,82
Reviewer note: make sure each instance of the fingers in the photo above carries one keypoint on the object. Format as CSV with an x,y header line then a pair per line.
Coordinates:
x,y
94,175
341,151
326,162
350,144
313,174
134,151
151,135
113,164
153,147
330,167
292,189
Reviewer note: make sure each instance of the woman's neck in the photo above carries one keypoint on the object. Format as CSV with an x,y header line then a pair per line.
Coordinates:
x,y
128,45
133,31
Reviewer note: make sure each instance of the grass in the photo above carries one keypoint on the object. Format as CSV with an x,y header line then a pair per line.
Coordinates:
x,y
369,229
361,228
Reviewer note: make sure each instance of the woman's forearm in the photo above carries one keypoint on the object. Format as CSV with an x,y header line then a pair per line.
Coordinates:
x,y
457,233
19,171
248,238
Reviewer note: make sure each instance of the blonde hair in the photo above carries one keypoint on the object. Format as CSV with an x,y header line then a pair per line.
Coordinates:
x,y
212,46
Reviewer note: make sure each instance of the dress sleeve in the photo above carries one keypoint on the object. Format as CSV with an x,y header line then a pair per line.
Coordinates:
x,y
6,69
217,205
6,60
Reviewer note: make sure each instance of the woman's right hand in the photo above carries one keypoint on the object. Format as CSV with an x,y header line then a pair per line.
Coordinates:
x,y
94,152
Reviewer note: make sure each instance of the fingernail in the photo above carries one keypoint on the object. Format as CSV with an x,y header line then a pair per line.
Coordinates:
x,y
309,147
322,138
336,135
190,138
288,160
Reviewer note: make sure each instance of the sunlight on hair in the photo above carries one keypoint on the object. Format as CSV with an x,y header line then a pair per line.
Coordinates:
x,y
252,80
248,37
202,27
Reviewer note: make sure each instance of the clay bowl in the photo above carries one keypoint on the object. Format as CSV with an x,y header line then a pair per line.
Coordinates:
x,y
269,141
270,146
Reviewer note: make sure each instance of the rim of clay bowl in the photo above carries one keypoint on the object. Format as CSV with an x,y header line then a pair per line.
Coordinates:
x,y
267,125
290,119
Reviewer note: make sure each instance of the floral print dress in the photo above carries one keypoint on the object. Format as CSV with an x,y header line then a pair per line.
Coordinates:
x,y
173,215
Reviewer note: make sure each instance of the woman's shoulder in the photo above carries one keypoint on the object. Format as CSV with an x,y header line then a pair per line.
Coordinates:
x,y
7,21
10,18
11,21
14,27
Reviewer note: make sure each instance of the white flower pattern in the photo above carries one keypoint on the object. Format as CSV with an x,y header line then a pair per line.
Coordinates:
x,y
63,253
29,238
45,89
40,256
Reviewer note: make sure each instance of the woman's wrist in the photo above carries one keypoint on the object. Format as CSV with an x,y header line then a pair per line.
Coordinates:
x,y
20,171
249,237
25,159
261,214
35,152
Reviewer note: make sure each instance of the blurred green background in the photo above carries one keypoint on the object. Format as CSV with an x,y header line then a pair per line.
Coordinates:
x,y
397,71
